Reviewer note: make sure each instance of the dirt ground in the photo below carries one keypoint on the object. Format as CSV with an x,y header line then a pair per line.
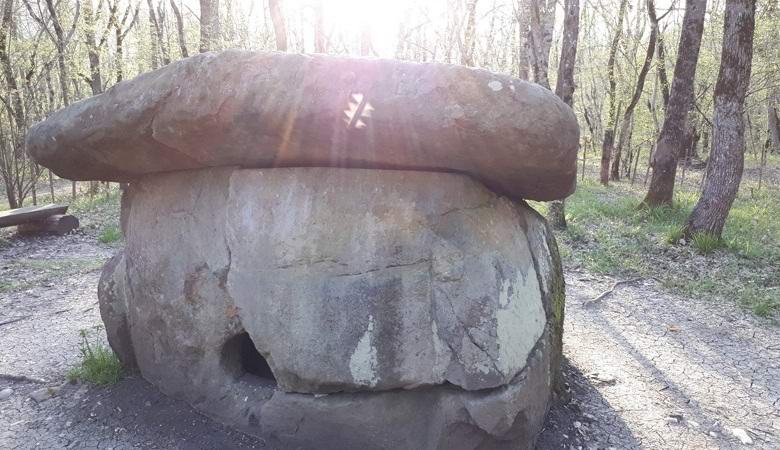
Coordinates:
x,y
645,369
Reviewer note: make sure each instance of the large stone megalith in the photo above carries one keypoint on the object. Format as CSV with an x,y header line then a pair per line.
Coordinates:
x,y
330,252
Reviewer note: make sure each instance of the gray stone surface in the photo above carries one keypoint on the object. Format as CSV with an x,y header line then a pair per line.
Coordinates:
x,y
345,280
275,109
441,417
364,279
43,394
113,309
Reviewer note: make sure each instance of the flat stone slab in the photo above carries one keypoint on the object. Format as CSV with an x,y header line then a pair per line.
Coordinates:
x,y
28,214
263,110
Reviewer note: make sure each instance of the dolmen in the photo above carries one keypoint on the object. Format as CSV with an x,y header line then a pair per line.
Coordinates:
x,y
333,253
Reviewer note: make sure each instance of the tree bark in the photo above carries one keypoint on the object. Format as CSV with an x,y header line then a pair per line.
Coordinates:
x,y
60,45
609,131
280,31
154,42
157,34
180,30
564,88
664,162
542,21
724,171
523,25
93,51
773,121
469,35
209,25
663,78
16,99
120,33
640,86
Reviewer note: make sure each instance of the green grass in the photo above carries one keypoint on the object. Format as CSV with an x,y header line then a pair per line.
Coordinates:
x,y
99,365
110,235
706,243
674,235
609,234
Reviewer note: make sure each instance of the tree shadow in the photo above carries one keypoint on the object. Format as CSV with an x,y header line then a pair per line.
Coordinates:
x,y
584,419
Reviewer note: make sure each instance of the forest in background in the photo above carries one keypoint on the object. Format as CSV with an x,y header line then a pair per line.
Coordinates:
x,y
667,103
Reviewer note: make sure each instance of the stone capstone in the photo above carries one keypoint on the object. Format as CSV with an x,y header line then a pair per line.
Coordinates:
x,y
261,110
376,298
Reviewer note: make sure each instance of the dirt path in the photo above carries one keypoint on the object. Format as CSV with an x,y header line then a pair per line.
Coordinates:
x,y
653,370
646,369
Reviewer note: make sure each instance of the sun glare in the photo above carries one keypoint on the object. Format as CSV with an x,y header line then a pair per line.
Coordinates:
x,y
382,18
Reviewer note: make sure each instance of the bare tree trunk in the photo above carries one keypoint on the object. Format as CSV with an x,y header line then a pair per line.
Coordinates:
x,y
280,31
469,35
664,162
640,86
180,30
120,54
609,131
209,25
93,51
120,33
564,88
8,72
154,42
157,34
542,21
724,171
523,24
773,122
663,78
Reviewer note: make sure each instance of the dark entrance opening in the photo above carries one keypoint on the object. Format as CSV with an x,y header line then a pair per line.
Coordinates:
x,y
241,356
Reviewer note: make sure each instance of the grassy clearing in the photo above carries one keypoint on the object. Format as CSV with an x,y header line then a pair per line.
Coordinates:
x,y
608,234
99,365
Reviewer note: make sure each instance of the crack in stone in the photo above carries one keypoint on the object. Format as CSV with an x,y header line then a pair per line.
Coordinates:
x,y
487,204
467,330
391,266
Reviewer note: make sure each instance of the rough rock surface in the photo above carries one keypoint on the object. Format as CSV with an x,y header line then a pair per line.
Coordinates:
x,y
274,109
345,280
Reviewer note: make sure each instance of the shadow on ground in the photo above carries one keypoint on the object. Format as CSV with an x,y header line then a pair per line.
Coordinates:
x,y
568,425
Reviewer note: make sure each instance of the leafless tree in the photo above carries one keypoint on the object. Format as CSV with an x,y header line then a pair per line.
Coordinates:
x,y
724,171
280,31
609,131
564,87
209,25
542,21
121,29
469,35
664,163
180,29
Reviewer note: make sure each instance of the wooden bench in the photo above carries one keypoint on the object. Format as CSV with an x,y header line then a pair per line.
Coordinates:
x,y
39,219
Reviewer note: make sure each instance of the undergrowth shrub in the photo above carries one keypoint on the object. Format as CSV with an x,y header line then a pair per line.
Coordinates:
x,y
99,365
